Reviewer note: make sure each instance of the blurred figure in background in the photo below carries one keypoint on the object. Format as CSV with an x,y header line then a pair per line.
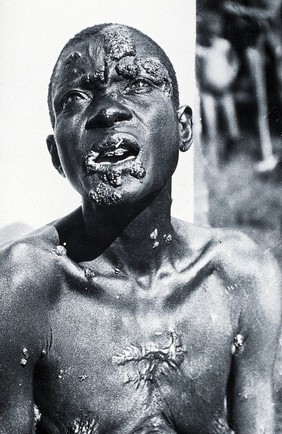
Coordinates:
x,y
238,197
256,26
217,68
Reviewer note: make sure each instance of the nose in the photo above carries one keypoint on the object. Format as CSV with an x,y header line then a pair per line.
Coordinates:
x,y
110,112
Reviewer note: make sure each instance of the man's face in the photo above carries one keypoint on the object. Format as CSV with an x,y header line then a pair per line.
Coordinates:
x,y
116,126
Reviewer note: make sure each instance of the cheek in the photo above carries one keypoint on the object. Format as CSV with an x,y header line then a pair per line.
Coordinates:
x,y
167,136
68,141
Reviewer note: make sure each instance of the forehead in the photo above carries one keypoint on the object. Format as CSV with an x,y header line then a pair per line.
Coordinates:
x,y
111,46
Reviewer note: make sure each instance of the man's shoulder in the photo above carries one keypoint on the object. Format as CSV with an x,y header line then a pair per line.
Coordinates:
x,y
230,250
202,235
28,262
30,248
247,270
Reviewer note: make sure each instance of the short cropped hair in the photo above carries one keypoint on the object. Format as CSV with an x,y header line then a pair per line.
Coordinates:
x,y
94,30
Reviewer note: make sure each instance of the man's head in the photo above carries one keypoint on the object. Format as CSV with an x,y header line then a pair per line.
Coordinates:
x,y
113,100
89,33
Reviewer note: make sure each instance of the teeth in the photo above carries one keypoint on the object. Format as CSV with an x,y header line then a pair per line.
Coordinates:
x,y
110,153
117,152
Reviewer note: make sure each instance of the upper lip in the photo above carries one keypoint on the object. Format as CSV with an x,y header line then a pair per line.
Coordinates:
x,y
117,147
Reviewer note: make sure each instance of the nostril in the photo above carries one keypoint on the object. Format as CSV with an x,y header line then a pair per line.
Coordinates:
x,y
107,117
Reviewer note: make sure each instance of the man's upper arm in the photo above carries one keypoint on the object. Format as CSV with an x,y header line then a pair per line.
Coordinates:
x,y
259,326
19,340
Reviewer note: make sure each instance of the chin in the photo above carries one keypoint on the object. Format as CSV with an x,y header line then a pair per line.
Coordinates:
x,y
116,187
104,195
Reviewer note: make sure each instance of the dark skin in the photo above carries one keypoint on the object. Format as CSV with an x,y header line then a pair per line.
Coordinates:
x,y
137,322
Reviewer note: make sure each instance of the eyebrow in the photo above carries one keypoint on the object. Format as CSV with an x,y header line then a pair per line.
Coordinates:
x,y
84,81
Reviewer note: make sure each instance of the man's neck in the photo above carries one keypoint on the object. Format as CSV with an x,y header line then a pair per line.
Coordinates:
x,y
134,237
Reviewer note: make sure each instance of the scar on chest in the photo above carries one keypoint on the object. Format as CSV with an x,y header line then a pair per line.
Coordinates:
x,y
83,425
152,358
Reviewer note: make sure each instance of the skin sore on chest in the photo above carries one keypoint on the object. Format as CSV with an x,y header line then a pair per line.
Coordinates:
x,y
83,425
143,363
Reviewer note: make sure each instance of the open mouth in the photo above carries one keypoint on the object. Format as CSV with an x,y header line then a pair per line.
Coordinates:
x,y
121,151
111,153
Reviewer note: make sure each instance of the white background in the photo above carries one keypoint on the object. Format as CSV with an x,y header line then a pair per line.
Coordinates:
x,y
32,33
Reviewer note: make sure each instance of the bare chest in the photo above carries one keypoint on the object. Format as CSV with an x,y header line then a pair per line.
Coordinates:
x,y
117,363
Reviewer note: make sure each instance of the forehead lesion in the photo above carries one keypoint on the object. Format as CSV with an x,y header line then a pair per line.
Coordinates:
x,y
118,42
114,49
96,53
72,57
114,41
147,67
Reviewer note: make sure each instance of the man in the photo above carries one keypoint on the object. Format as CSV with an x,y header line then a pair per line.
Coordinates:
x,y
117,319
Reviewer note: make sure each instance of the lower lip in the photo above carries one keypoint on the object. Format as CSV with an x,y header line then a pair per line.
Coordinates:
x,y
101,168
108,163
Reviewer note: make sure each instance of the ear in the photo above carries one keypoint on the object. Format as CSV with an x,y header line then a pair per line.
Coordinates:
x,y
185,127
52,148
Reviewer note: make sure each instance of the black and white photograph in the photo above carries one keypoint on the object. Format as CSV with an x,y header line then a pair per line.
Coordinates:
x,y
140,224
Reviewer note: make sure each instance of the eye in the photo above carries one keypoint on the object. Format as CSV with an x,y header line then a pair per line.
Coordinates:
x,y
69,99
139,86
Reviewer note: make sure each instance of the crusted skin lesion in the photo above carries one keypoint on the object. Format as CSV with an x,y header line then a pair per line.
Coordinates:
x,y
72,57
127,68
149,67
157,73
138,171
238,344
118,43
103,195
220,426
83,425
150,358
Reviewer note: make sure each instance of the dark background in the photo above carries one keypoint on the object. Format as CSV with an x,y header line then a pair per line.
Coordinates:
x,y
238,195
